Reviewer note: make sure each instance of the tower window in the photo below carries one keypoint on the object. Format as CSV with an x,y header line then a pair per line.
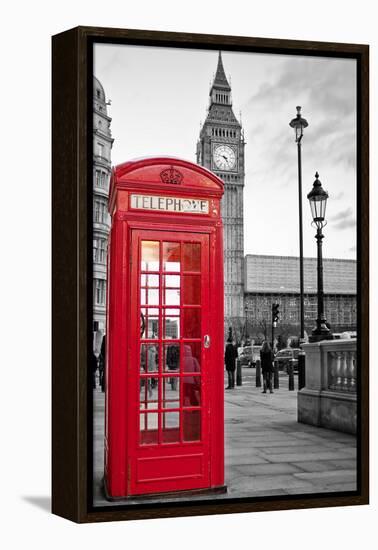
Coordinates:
x,y
98,93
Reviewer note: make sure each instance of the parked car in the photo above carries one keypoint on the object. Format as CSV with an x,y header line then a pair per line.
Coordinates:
x,y
245,355
248,355
285,356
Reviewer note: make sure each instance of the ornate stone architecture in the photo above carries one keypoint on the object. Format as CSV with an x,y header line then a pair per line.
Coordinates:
x,y
102,145
220,148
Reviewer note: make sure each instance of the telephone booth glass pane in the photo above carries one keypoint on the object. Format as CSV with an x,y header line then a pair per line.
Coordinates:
x,y
150,256
192,425
172,358
171,392
191,323
149,432
172,281
191,289
192,357
150,323
171,320
171,256
171,296
191,260
191,391
149,393
171,427
149,296
149,358
151,281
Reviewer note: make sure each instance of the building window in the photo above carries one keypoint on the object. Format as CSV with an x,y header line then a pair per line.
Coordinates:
x,y
102,251
100,149
101,179
98,93
99,212
95,248
99,292
99,251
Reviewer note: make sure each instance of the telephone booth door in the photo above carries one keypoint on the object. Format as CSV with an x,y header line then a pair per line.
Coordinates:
x,y
170,362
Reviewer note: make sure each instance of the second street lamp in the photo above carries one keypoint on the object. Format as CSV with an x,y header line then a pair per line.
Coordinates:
x,y
299,123
318,202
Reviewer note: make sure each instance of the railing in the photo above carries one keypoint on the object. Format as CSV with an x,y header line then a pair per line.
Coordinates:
x,y
342,370
329,398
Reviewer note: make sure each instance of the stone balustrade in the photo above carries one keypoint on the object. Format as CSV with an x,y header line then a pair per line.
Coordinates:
x,y
329,398
342,370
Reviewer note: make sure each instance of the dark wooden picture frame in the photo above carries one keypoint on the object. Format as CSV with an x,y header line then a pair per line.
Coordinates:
x,y
72,271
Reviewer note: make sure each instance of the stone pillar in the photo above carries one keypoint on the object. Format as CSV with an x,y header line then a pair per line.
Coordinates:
x,y
309,396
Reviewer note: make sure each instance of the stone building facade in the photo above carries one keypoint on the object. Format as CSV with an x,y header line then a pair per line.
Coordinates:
x,y
271,279
220,148
102,146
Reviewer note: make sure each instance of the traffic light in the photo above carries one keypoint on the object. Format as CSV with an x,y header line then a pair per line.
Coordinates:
x,y
275,312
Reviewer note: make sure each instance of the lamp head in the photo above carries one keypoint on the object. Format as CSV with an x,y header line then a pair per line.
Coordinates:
x,y
298,123
318,202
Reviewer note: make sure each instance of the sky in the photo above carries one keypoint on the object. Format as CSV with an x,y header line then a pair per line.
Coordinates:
x,y
159,98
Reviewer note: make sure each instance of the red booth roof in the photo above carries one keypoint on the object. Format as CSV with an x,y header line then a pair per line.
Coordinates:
x,y
166,171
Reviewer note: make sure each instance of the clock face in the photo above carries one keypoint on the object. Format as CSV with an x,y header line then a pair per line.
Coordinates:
x,y
224,157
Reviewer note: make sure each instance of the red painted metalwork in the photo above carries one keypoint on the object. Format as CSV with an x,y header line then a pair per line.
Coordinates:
x,y
164,428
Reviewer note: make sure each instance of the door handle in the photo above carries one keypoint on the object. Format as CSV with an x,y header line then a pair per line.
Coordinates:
x,y
206,341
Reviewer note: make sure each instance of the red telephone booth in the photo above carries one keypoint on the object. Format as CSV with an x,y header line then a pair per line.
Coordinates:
x,y
164,429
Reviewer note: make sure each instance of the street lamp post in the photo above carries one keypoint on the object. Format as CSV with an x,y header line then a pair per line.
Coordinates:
x,y
318,202
299,123
246,324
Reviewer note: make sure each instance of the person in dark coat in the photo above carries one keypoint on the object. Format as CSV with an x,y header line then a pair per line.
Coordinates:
x,y
101,363
230,356
266,356
94,365
173,363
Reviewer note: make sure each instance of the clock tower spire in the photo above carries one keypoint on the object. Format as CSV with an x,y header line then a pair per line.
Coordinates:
x,y
220,148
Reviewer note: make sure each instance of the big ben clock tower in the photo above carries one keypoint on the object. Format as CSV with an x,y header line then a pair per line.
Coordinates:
x,y
220,148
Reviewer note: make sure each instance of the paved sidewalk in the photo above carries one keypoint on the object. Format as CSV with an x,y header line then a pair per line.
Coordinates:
x,y
267,452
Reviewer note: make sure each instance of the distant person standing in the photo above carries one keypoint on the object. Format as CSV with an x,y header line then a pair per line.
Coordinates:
x,y
101,363
230,356
94,365
266,356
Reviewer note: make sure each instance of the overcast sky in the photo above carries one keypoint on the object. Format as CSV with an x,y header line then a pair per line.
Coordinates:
x,y
159,96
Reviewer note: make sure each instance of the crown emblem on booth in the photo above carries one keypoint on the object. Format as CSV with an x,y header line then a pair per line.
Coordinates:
x,y
171,175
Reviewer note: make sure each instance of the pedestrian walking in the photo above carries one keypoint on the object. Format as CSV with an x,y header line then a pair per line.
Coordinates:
x,y
230,356
266,357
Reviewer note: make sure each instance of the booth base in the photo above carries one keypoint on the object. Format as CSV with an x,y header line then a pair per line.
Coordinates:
x,y
173,494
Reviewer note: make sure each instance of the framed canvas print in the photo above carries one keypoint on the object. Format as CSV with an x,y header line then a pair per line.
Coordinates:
x,y
210,274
